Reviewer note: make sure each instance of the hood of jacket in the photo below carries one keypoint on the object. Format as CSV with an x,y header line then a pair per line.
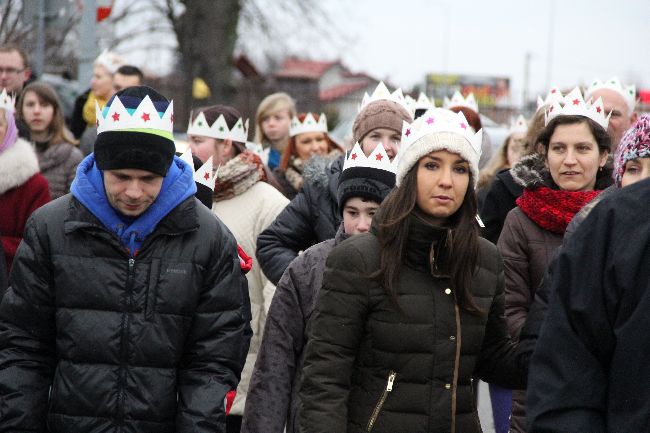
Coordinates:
x,y
324,173
53,155
531,172
88,188
17,164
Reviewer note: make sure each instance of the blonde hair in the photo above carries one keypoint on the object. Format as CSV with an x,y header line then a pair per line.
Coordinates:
x,y
272,104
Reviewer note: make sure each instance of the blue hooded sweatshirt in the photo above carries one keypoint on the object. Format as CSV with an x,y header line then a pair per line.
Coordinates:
x,y
88,188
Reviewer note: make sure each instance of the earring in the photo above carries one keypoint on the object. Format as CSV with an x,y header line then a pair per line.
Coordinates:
x,y
600,169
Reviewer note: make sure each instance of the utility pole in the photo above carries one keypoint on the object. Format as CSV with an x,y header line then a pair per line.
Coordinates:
x,y
39,53
525,95
88,44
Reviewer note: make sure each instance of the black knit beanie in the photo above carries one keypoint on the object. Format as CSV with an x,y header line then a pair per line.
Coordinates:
x,y
141,148
364,182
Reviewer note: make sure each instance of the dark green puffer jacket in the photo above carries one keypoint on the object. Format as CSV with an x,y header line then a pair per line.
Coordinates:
x,y
92,340
371,367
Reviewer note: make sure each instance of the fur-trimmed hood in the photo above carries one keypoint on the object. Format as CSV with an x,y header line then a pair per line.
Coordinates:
x,y
17,164
531,172
319,170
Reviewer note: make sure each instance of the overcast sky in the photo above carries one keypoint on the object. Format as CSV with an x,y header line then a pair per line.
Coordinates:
x,y
404,40
591,38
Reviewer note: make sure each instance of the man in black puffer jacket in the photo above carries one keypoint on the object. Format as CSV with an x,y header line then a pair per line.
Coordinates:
x,y
127,309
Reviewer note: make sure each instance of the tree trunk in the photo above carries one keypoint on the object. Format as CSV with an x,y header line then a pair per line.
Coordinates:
x,y
206,33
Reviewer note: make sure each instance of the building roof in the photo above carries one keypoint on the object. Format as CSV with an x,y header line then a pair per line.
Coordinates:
x,y
341,90
299,68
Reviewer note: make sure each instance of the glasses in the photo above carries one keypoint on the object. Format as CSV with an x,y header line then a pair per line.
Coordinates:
x,y
10,71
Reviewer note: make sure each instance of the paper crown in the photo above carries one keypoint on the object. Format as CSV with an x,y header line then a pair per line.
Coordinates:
x,y
378,159
573,104
439,120
7,102
422,103
219,128
310,124
627,92
381,93
519,125
553,95
457,100
116,117
205,174
110,61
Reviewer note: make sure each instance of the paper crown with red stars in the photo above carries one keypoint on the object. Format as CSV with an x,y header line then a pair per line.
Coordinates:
x,y
380,93
309,124
573,104
145,117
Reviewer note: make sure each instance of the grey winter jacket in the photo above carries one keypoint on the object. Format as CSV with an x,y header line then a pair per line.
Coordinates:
x,y
58,164
311,217
273,392
91,339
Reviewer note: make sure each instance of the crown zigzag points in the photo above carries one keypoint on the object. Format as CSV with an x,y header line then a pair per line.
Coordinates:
x,y
117,118
519,125
219,129
440,120
310,124
627,92
378,159
381,92
7,101
457,100
554,94
573,104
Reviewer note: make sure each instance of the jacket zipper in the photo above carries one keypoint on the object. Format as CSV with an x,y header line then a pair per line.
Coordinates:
x,y
382,400
124,342
454,386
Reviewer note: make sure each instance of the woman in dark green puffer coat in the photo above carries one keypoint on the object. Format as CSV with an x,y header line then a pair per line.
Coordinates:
x,y
410,312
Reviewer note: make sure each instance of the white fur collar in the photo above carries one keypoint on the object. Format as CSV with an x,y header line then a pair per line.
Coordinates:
x,y
17,165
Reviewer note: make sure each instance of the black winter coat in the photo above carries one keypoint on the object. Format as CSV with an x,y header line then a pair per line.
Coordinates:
x,y
370,366
311,217
589,369
500,199
150,344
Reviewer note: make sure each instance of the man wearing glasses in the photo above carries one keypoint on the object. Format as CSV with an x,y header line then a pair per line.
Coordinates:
x,y
14,69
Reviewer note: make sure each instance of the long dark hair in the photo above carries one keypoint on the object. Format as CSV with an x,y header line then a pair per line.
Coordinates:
x,y
57,131
461,248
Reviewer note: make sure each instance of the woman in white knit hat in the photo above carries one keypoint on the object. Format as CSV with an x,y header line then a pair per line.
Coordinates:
x,y
410,311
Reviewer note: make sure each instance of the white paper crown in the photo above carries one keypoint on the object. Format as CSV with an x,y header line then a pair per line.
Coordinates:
x,y
553,95
310,124
519,125
7,102
219,128
145,116
573,104
205,174
378,159
440,120
627,92
382,93
457,100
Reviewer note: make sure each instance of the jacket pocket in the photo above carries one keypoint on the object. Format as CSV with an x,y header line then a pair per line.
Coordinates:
x,y
382,400
152,290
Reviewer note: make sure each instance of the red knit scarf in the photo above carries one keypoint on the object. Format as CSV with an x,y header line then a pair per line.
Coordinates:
x,y
553,209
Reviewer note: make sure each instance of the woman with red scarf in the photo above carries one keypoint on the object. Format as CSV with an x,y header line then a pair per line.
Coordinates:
x,y
558,182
